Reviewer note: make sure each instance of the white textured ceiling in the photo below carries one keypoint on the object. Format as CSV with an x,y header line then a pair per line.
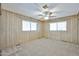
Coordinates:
x,y
33,9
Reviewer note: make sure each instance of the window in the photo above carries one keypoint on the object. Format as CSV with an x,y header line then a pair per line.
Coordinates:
x,y
58,26
33,26
25,25
53,27
29,26
62,26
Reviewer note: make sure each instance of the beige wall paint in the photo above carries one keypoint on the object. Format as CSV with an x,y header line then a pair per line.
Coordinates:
x,y
0,26
11,32
70,35
0,32
11,28
78,27
0,8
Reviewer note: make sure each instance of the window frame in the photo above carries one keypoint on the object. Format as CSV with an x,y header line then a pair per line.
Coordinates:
x,y
36,26
53,27
30,22
57,26
25,26
65,23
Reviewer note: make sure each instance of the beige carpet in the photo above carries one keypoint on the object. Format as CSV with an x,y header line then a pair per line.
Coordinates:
x,y
46,47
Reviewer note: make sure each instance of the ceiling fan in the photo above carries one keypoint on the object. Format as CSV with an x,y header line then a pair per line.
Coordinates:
x,y
46,13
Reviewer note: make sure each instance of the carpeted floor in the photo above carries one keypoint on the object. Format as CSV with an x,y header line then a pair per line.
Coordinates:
x,y
47,47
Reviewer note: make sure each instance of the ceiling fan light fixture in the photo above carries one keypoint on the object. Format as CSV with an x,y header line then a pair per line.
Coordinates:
x,y
46,18
45,6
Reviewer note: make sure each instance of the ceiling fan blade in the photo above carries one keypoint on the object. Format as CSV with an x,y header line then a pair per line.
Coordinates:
x,y
45,6
52,16
40,15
